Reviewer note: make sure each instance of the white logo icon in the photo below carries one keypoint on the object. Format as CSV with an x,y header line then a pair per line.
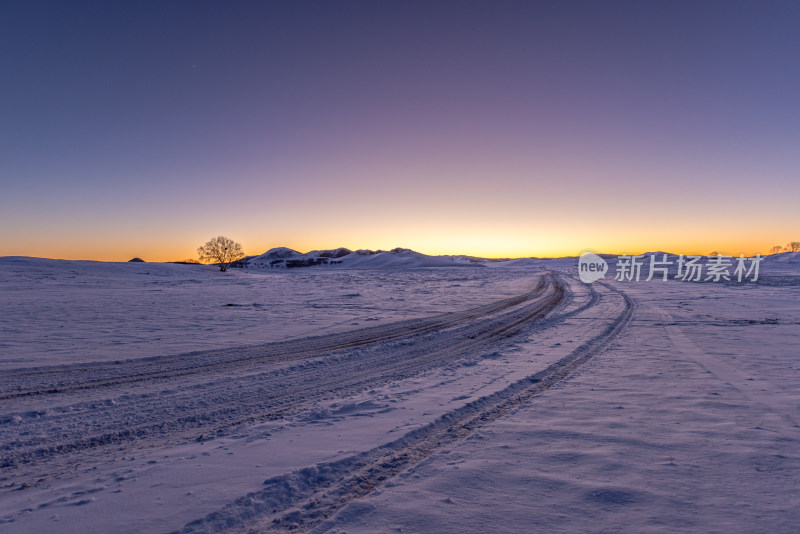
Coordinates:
x,y
591,267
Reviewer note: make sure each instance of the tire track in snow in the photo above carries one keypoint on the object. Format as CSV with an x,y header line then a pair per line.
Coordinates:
x,y
307,498
63,379
220,403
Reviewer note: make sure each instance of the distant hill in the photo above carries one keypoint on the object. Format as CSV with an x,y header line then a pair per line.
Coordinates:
x,y
398,258
403,258
784,257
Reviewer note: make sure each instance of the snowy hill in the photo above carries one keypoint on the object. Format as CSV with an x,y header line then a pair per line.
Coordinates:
x,y
402,258
398,258
783,257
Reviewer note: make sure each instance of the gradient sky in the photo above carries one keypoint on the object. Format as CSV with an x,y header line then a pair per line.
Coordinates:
x,y
485,128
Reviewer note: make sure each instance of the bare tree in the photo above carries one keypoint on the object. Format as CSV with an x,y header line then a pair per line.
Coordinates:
x,y
777,249
793,246
222,251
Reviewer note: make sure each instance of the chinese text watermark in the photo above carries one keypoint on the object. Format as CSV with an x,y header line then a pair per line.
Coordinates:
x,y
592,267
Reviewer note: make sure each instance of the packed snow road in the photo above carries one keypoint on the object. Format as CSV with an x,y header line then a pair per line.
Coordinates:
x,y
368,403
62,379
233,387
305,498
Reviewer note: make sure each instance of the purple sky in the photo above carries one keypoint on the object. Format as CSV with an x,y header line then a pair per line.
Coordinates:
x,y
486,128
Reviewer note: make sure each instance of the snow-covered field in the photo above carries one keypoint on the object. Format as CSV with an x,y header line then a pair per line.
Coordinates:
x,y
56,311
508,397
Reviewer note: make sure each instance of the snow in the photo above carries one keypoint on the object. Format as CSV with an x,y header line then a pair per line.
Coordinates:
x,y
617,407
343,258
56,311
690,424
783,257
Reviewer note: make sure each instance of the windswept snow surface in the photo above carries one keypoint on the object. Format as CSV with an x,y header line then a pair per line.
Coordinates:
x,y
508,398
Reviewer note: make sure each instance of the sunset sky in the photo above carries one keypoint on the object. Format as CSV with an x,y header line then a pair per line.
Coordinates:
x,y
497,129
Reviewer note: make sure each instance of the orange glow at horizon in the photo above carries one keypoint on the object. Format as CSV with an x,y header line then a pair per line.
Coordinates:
x,y
507,245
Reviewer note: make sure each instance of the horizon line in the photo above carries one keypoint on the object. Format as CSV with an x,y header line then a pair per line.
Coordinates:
x,y
490,258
